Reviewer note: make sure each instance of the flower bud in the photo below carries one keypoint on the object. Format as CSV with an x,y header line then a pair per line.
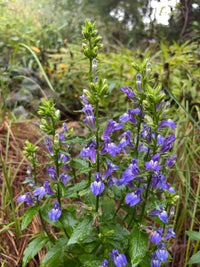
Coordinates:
x,y
148,69
94,66
139,82
56,141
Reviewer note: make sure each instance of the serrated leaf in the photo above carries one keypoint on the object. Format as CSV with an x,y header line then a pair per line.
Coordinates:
x,y
56,253
73,190
28,216
90,261
77,139
194,259
33,248
79,164
193,235
68,220
82,230
108,208
138,245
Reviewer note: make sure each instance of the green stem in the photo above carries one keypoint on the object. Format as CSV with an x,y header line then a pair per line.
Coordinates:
x,y
138,130
119,206
145,199
44,227
97,148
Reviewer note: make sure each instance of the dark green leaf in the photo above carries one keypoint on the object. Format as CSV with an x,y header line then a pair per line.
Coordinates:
x,y
33,248
68,220
73,190
79,164
138,245
90,261
108,208
28,216
82,230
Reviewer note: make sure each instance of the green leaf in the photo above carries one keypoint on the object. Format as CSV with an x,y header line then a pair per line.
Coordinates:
x,y
90,261
56,253
77,139
68,220
195,258
193,235
73,190
82,230
79,164
28,216
33,248
108,208
45,214
138,245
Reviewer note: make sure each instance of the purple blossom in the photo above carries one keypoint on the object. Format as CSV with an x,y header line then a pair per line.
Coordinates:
x,y
168,143
126,140
142,147
104,264
64,178
64,127
89,116
155,236
168,122
162,214
153,164
161,252
170,233
131,173
49,147
119,259
52,173
110,169
89,150
147,134
97,187
55,213
110,147
84,98
158,180
130,116
134,197
26,198
129,91
170,162
43,190
155,262
110,128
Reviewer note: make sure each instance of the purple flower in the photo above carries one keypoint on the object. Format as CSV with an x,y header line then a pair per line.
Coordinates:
x,y
110,147
130,116
162,253
89,150
158,180
170,233
52,173
134,197
55,213
168,122
97,187
110,128
119,259
89,116
26,198
147,134
162,214
64,178
131,173
126,140
49,147
170,162
43,190
84,98
155,262
64,127
142,147
153,164
110,169
155,236
129,91
104,264
168,143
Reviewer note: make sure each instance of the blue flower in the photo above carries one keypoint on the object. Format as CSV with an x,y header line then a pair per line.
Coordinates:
x,y
97,187
110,169
55,213
64,178
170,162
131,173
119,259
89,116
130,116
147,134
134,197
168,122
26,198
153,164
110,128
170,233
52,173
104,264
168,143
43,190
129,91
110,147
89,150
49,147
155,262
161,252
162,214
126,141
155,236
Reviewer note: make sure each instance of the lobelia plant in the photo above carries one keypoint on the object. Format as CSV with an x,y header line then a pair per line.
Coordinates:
x,y
109,206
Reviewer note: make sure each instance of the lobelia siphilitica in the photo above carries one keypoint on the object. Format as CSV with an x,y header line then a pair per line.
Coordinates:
x,y
109,204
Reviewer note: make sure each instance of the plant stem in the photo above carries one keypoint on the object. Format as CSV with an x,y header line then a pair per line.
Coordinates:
x,y
138,131
44,227
97,142
145,199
